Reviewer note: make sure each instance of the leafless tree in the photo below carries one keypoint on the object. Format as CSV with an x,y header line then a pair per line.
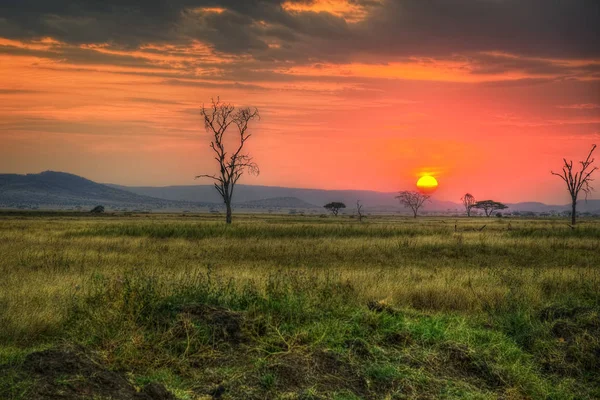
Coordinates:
x,y
468,201
359,211
219,117
413,200
578,182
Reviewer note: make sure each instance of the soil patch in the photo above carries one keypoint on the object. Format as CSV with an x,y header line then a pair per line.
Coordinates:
x,y
226,325
464,361
72,375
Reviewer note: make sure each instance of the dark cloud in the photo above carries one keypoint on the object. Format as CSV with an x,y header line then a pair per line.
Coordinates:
x,y
89,21
264,29
81,56
485,63
568,28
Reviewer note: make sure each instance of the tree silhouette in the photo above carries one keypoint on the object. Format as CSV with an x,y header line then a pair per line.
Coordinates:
x,y
413,200
335,207
489,206
578,182
468,201
232,165
359,211
97,210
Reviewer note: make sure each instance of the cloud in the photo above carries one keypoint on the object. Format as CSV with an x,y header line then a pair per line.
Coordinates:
x,y
79,56
308,30
19,91
328,46
587,106
211,85
152,101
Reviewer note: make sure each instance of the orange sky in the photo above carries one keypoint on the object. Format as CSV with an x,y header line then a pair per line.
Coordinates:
x,y
491,117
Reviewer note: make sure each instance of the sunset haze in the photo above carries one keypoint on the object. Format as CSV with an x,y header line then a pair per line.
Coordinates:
x,y
487,96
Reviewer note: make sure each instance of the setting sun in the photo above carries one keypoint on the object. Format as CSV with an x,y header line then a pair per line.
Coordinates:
x,y
427,184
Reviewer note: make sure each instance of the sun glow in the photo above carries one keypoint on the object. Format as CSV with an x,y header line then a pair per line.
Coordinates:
x,y
427,184
340,8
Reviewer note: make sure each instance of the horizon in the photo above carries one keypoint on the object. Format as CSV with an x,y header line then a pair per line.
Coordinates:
x,y
353,94
432,197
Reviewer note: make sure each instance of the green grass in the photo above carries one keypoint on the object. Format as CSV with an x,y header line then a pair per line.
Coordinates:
x,y
296,307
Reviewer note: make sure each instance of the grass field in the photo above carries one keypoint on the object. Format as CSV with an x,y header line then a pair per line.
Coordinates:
x,y
293,307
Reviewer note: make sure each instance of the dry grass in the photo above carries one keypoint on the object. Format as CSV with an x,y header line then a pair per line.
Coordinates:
x,y
502,276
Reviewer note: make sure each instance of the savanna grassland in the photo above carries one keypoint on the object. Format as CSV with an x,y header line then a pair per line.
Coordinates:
x,y
294,307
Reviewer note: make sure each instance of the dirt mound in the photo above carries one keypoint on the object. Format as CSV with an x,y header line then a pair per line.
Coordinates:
x,y
71,375
463,361
337,373
225,325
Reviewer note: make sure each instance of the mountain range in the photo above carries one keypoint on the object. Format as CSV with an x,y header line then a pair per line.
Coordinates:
x,y
245,194
59,190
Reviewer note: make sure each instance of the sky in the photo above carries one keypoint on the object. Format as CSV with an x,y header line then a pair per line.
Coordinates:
x,y
488,96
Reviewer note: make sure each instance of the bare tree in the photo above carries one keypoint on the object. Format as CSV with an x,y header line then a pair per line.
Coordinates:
x,y
232,165
334,207
489,206
413,200
578,182
359,211
468,201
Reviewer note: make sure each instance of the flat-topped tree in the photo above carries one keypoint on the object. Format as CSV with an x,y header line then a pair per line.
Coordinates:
x,y
232,165
97,210
413,200
489,206
578,182
334,207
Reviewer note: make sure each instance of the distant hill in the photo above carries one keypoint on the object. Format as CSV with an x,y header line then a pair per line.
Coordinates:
x,y
591,206
244,194
63,190
277,202
383,202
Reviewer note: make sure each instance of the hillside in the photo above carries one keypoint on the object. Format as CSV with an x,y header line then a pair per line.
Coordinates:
x,y
66,191
277,202
247,194
383,202
62,190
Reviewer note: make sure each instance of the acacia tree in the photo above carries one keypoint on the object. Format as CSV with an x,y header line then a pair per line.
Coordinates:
x,y
218,118
413,200
97,210
468,201
489,206
334,207
578,182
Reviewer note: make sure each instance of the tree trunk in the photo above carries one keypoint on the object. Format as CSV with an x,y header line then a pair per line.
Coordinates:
x,y
573,212
228,215
415,213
